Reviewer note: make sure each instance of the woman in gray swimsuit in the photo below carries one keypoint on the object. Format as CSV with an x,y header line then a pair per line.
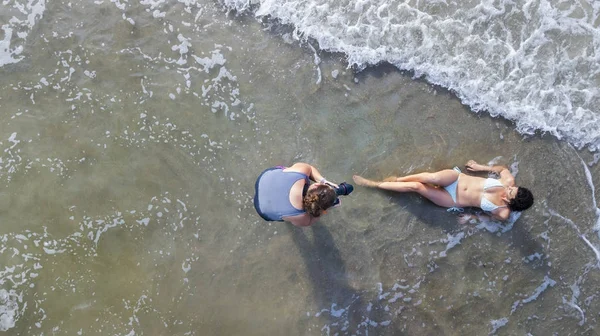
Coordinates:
x,y
496,196
286,194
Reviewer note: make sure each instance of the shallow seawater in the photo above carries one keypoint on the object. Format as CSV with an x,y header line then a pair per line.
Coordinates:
x,y
129,156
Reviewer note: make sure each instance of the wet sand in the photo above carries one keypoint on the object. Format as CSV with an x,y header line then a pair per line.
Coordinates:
x,y
132,211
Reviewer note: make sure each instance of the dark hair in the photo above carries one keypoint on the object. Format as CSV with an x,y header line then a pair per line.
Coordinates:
x,y
318,200
522,201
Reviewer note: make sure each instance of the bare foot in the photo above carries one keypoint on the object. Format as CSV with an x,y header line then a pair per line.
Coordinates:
x,y
364,182
391,179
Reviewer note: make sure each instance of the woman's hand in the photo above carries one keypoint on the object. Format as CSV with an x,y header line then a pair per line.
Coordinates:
x,y
473,166
325,181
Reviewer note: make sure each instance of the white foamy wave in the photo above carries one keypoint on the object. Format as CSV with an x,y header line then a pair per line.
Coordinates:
x,y
9,309
21,17
536,63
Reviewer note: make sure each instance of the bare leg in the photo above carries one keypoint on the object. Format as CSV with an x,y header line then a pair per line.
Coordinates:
x,y
441,178
438,196
364,182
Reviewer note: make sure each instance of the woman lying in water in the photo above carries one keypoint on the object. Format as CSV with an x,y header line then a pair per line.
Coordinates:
x,y
452,189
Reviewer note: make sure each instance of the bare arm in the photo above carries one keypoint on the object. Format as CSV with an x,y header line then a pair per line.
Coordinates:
x,y
501,214
472,218
476,167
505,175
312,172
302,220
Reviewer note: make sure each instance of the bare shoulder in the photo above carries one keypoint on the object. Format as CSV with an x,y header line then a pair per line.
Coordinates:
x,y
501,213
507,178
300,167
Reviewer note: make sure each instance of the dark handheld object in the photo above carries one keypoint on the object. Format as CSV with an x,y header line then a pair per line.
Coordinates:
x,y
344,189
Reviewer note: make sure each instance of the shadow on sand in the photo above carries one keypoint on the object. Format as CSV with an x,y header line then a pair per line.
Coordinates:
x,y
342,305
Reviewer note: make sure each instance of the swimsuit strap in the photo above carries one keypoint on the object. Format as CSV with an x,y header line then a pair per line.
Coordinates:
x,y
305,189
455,209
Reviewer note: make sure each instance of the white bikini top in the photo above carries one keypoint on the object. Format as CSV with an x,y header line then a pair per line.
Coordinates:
x,y
487,205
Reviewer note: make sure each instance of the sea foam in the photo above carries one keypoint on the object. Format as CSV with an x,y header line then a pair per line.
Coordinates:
x,y
9,309
536,63
25,14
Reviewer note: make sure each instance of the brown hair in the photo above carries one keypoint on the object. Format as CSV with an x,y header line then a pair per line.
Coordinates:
x,y
318,200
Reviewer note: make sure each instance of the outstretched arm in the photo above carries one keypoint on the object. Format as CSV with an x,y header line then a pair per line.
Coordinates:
x,y
505,175
476,167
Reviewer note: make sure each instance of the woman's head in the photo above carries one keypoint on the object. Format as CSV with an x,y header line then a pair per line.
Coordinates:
x,y
521,199
319,198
